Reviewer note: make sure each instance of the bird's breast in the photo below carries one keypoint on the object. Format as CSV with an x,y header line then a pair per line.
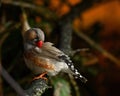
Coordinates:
x,y
39,64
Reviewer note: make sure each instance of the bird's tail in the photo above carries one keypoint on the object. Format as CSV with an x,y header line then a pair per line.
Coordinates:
x,y
82,78
76,74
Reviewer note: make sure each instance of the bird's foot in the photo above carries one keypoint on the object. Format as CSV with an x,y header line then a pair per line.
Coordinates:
x,y
41,76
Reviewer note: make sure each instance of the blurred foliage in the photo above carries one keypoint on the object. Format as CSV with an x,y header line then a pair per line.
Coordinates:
x,y
98,19
61,87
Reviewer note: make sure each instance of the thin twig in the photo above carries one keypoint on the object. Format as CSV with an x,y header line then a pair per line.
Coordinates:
x,y
4,35
24,22
41,9
98,47
12,82
73,52
3,72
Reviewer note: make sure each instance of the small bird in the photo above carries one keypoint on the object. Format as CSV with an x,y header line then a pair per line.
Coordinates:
x,y
43,58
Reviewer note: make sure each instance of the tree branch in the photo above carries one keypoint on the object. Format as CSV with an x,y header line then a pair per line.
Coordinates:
x,y
12,82
40,9
98,47
37,87
66,36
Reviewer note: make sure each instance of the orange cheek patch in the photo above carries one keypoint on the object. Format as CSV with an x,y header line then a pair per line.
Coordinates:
x,y
32,35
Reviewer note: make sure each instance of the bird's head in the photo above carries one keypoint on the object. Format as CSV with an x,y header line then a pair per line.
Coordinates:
x,y
34,36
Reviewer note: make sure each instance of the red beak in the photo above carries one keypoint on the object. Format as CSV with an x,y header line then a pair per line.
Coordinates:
x,y
39,44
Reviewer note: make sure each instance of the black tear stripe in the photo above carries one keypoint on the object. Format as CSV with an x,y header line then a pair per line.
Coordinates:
x,y
37,38
67,60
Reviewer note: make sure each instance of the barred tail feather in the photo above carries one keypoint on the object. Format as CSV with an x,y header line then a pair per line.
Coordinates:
x,y
76,74
79,76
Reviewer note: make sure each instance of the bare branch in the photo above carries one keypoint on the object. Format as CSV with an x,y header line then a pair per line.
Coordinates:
x,y
66,36
37,88
98,47
12,82
40,9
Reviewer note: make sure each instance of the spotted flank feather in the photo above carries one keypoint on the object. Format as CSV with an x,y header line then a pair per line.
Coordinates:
x,y
67,60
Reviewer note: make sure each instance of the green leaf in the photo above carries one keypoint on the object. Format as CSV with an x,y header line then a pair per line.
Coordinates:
x,y
61,87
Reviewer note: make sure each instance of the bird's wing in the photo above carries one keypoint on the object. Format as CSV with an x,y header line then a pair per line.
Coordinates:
x,y
49,50
49,46
55,53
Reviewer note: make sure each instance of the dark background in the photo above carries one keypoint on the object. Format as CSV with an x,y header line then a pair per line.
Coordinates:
x,y
97,20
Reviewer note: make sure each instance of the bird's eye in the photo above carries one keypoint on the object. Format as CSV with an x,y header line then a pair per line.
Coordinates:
x,y
36,39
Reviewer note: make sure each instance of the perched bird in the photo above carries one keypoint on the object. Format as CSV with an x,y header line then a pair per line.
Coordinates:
x,y
43,58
